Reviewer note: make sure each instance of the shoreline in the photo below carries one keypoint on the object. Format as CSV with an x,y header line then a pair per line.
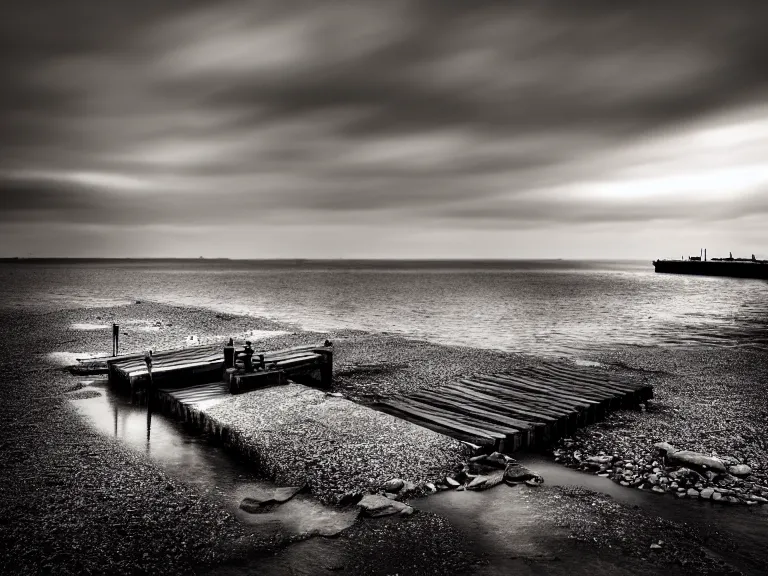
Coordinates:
x,y
39,395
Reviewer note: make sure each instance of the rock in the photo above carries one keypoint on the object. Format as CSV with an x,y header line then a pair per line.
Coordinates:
x,y
759,499
348,498
477,482
260,500
375,505
498,459
653,479
517,473
655,546
535,482
740,470
451,482
486,481
658,489
664,448
707,493
716,496
695,460
390,495
407,511
600,459
729,460
393,485
431,487
407,488
692,493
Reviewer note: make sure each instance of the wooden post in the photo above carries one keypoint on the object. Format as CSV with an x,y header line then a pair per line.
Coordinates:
x,y
229,355
115,339
150,385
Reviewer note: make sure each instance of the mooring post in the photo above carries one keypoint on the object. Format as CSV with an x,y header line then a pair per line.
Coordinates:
x,y
229,354
326,368
150,386
115,339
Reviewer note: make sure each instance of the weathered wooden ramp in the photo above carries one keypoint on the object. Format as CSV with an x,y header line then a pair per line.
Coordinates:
x,y
205,364
521,409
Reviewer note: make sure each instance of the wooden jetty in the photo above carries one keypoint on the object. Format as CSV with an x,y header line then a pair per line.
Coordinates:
x,y
186,367
522,409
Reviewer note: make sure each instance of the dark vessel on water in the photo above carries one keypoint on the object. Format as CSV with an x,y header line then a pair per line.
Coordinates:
x,y
700,266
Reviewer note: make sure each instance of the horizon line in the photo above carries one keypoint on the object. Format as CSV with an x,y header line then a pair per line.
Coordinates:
x,y
305,259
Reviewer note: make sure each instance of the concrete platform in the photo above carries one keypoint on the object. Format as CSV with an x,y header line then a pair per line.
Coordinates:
x,y
296,434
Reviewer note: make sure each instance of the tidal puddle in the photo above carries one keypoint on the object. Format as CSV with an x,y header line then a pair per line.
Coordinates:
x,y
193,459
506,521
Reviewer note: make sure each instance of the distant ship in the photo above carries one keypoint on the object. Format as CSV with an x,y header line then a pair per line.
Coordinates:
x,y
700,266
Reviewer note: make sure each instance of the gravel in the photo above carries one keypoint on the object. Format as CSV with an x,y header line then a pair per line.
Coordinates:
x,y
73,501
302,435
711,402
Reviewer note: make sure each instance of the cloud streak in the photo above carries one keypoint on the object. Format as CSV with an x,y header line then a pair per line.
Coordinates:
x,y
429,114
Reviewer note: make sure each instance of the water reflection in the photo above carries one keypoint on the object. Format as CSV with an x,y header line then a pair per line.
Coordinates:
x,y
194,460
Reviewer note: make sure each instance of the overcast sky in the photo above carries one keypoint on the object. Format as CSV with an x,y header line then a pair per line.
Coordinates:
x,y
384,128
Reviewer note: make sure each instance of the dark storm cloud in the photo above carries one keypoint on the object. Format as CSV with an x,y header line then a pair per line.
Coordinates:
x,y
469,113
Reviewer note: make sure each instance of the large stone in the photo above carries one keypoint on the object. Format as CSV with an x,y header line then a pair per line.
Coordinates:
x,y
451,482
692,493
707,493
393,485
740,470
487,481
517,473
695,460
476,482
498,460
262,499
375,505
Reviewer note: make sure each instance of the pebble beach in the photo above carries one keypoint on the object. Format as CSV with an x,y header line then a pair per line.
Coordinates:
x,y
75,501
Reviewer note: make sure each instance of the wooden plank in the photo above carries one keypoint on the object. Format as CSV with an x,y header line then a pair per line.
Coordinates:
x,y
562,419
500,432
469,433
526,431
580,378
509,403
163,369
544,404
490,430
617,396
543,427
555,386
595,409
576,379
540,388
594,377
